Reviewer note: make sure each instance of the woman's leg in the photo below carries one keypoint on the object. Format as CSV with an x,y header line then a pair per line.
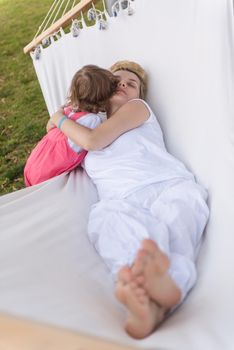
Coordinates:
x,y
162,273
164,279
116,229
182,208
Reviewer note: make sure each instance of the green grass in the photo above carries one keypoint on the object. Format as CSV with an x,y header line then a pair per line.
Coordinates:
x,y
23,113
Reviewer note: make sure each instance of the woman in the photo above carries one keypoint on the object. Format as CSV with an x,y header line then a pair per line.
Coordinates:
x,y
148,223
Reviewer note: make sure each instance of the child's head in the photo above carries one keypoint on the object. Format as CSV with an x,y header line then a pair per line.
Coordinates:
x,y
91,88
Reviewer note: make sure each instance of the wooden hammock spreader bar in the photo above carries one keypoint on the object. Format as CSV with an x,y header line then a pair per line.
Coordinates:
x,y
60,23
16,333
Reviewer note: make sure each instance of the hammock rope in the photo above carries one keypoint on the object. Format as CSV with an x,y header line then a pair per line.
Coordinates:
x,y
65,9
56,15
41,25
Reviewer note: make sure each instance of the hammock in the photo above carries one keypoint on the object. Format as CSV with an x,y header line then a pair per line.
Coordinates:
x,y
49,272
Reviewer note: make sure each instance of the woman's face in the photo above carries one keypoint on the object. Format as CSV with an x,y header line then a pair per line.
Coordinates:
x,y
128,88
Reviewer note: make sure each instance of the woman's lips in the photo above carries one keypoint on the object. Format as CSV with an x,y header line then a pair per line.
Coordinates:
x,y
121,92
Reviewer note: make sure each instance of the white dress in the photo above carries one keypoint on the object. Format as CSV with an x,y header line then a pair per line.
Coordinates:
x,y
145,192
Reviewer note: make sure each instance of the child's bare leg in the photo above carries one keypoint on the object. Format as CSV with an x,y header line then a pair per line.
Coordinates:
x,y
151,270
143,314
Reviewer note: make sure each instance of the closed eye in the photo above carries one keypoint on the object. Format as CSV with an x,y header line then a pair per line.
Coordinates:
x,y
132,85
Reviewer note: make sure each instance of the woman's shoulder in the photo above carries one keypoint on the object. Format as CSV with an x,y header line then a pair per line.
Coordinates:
x,y
152,116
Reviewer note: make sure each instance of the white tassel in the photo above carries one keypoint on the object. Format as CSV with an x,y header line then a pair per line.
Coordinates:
x,y
46,41
130,11
37,53
102,24
91,14
122,4
75,28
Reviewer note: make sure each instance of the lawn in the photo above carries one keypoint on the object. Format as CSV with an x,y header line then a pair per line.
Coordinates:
x,y
23,113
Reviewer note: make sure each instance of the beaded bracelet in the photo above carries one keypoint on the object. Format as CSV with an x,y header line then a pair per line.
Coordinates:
x,y
61,121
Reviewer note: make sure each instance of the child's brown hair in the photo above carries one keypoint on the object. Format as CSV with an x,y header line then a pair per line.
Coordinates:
x,y
91,88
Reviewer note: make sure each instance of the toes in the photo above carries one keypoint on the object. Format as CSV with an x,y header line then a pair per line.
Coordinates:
x,y
140,280
133,285
125,275
139,263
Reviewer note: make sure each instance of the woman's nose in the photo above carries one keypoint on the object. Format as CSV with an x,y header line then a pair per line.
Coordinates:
x,y
122,83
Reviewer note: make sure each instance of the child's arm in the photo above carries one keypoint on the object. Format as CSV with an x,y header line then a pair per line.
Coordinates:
x,y
129,116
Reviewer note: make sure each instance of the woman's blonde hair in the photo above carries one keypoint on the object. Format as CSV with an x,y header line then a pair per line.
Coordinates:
x,y
136,69
91,89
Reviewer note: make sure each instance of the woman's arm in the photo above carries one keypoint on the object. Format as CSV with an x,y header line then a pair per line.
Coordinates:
x,y
90,121
129,116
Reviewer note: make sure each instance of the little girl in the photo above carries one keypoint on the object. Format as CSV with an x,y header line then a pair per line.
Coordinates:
x,y
90,90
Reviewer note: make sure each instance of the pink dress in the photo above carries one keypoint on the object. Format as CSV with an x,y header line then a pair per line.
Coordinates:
x,y
52,156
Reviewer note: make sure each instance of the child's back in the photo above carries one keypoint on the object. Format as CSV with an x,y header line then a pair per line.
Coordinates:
x,y
53,155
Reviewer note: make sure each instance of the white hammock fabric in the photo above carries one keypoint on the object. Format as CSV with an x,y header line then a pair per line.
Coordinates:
x,y
49,271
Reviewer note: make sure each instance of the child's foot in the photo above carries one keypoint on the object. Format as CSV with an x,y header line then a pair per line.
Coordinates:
x,y
151,271
143,314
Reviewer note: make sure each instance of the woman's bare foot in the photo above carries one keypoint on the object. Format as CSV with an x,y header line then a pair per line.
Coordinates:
x,y
143,314
151,271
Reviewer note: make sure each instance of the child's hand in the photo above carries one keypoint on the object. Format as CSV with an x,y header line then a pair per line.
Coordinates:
x,y
51,122
57,116
50,125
